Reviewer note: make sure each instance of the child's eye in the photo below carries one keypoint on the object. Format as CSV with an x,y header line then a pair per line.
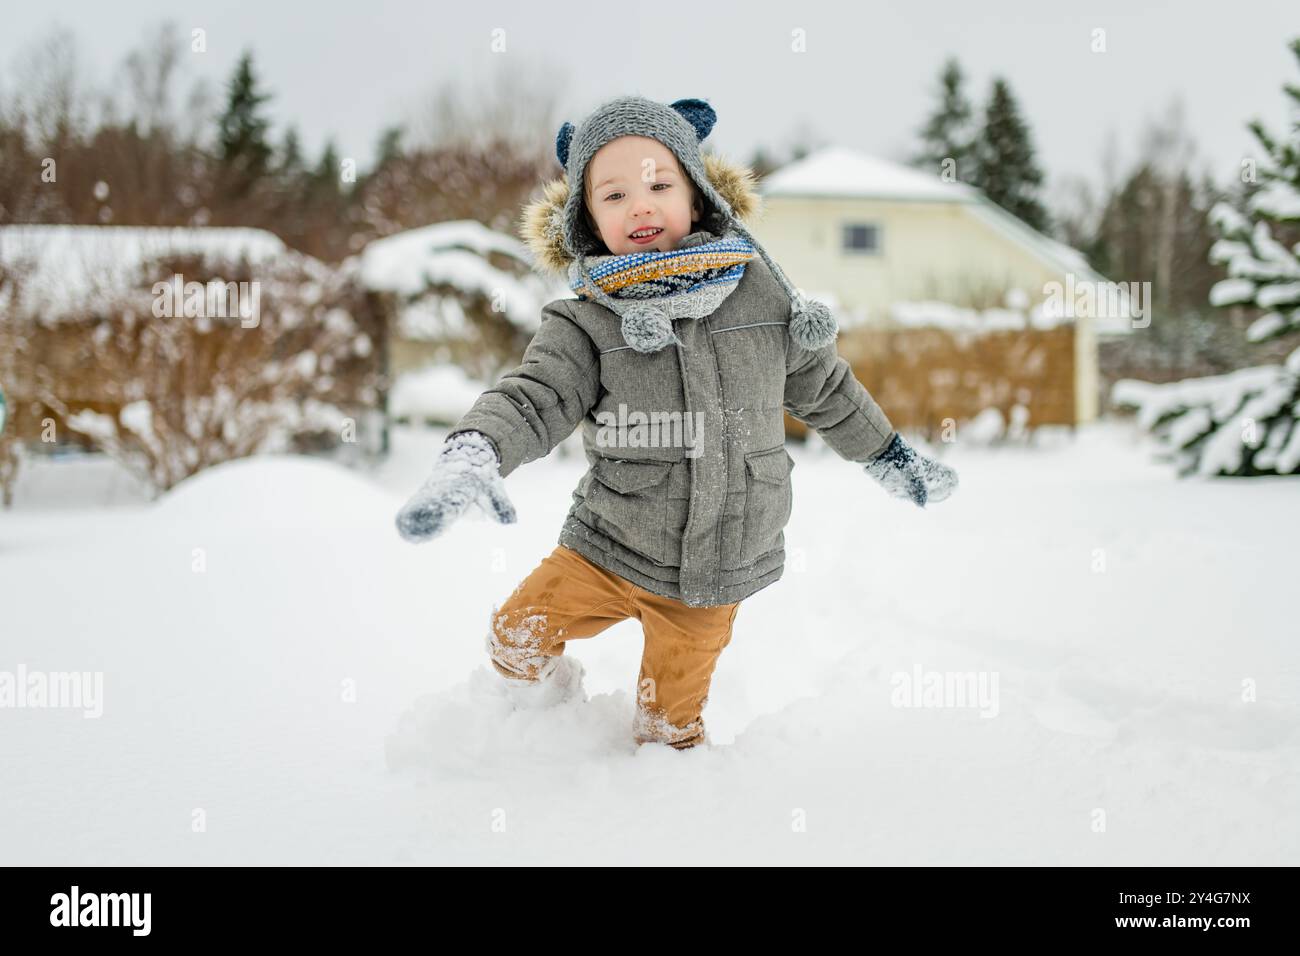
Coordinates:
x,y
617,195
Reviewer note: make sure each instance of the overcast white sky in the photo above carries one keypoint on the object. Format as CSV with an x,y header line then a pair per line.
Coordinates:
x,y
866,80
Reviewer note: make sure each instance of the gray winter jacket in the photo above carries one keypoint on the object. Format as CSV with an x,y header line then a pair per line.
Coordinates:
x,y
700,515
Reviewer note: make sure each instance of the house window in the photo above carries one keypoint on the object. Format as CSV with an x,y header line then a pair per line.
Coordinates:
x,y
861,238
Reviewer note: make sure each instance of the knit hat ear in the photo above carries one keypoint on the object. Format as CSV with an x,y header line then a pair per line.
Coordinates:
x,y
562,141
699,114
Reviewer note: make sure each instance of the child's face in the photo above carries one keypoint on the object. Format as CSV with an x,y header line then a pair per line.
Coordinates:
x,y
635,183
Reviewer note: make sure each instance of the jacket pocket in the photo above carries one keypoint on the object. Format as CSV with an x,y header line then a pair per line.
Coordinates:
x,y
629,500
768,500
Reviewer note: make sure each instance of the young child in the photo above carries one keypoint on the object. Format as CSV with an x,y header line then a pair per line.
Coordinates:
x,y
680,315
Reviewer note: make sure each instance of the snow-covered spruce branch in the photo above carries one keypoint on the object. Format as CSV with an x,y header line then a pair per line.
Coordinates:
x,y
1244,423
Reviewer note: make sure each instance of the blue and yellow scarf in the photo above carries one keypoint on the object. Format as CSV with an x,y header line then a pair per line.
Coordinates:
x,y
688,282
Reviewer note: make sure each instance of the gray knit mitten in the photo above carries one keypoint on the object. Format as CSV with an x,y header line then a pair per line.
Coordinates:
x,y
464,473
905,474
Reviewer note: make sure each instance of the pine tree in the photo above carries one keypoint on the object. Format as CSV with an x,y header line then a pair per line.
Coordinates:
x,y
290,155
244,151
1248,422
1005,168
326,178
1260,248
390,145
946,135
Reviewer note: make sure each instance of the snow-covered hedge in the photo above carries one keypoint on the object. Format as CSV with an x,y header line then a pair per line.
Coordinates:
x,y
171,384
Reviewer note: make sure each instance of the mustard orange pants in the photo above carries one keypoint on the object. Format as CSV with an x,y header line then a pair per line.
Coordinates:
x,y
567,596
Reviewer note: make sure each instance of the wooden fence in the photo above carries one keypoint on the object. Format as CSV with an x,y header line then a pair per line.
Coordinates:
x,y
922,376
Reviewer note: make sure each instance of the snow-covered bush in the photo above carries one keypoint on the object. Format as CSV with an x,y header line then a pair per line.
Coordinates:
x,y
170,385
462,294
436,395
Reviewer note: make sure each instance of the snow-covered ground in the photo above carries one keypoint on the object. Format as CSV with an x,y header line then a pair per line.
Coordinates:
x,y
286,681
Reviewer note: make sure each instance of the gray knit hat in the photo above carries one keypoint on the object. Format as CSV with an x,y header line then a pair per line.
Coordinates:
x,y
681,126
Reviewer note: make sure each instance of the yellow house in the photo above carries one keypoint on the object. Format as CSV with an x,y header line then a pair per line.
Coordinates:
x,y
886,245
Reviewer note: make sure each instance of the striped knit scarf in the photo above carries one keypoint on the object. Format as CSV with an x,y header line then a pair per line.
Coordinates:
x,y
690,281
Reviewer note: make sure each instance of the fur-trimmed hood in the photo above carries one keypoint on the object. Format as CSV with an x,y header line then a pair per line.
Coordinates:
x,y
542,221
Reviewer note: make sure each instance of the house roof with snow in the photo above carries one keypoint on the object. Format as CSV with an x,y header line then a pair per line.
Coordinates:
x,y
837,172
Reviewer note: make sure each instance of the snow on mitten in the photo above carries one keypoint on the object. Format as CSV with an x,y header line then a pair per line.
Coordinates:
x,y
465,473
905,474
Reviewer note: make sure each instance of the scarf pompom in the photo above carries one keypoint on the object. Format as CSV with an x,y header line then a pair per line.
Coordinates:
x,y
647,328
811,324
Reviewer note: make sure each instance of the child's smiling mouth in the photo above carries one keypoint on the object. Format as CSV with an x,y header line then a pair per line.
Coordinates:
x,y
647,234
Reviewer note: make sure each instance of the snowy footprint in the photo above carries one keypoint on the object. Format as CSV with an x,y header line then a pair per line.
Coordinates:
x,y
1062,712
475,724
